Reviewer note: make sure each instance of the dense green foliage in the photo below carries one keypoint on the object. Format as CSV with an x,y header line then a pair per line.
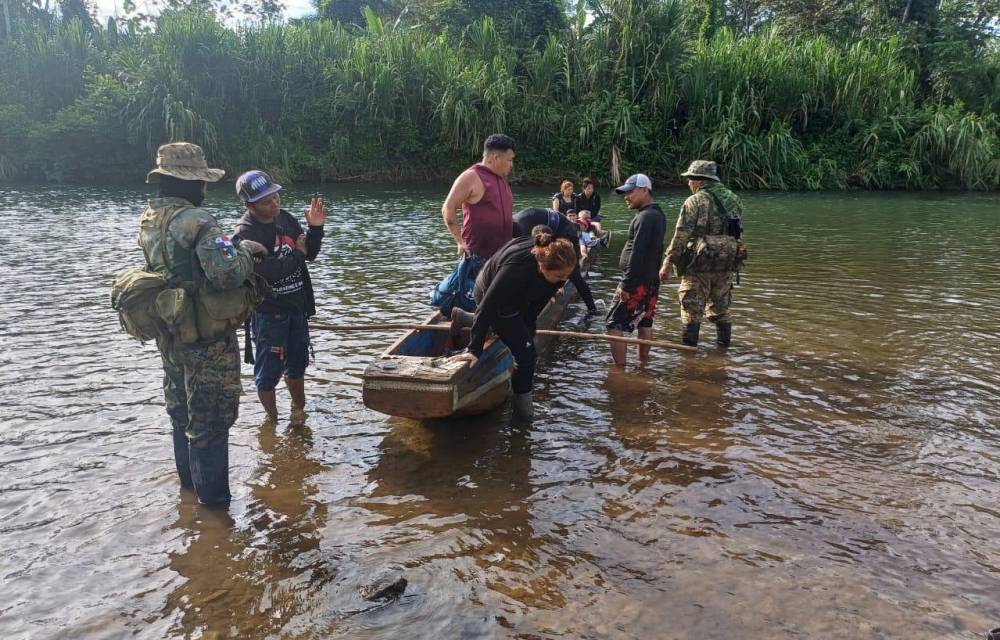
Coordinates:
x,y
783,95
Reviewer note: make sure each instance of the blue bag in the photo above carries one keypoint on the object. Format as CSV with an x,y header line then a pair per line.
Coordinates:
x,y
456,290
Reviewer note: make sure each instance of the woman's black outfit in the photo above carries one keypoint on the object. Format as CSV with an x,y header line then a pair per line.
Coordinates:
x,y
565,205
510,293
527,219
591,204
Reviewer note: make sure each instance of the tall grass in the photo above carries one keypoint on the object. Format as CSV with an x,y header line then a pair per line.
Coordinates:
x,y
639,87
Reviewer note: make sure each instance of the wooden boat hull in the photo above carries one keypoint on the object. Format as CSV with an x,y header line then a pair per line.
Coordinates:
x,y
410,380
421,387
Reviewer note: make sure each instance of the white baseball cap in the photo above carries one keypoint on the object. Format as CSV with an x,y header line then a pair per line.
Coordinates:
x,y
634,181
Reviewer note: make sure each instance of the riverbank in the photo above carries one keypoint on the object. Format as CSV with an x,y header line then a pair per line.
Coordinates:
x,y
640,87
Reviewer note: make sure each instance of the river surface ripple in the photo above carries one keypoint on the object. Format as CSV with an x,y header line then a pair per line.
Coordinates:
x,y
837,473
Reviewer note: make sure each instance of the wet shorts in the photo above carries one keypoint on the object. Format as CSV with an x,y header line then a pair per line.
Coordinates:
x,y
281,343
633,309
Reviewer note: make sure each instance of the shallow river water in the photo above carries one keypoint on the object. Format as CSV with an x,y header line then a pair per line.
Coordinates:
x,y
836,474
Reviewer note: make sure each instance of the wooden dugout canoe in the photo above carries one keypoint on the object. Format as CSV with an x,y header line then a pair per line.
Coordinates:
x,y
414,377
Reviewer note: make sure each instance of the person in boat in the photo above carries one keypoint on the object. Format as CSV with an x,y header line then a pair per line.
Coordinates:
x,y
511,290
589,199
705,219
527,219
201,381
564,201
634,303
487,203
589,225
279,326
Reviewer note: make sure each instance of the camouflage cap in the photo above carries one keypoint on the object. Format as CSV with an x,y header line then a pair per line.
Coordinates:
x,y
184,161
702,169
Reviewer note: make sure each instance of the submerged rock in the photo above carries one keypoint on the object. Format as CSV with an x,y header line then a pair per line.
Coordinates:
x,y
389,588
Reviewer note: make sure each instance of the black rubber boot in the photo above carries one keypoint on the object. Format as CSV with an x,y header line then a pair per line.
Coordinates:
x,y
524,406
994,634
724,333
182,458
210,471
690,337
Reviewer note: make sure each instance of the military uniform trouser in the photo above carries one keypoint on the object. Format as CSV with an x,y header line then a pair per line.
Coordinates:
x,y
701,290
201,385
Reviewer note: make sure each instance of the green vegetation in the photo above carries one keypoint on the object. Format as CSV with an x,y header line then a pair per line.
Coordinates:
x,y
785,95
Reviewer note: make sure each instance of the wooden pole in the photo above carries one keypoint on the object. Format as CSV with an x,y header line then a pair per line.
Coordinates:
x,y
598,337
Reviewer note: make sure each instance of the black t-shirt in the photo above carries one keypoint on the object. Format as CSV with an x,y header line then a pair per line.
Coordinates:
x,y
640,260
284,268
527,219
563,205
591,204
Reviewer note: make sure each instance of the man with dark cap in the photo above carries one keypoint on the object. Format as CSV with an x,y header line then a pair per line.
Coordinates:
x,y
279,326
201,363
705,252
634,303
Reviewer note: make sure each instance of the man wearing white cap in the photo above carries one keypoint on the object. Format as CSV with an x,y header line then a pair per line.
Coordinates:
x,y
706,252
635,298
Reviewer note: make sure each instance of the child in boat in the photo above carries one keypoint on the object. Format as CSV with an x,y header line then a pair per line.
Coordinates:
x,y
591,232
587,223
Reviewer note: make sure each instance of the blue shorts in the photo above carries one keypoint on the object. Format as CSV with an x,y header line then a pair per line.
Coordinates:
x,y
281,342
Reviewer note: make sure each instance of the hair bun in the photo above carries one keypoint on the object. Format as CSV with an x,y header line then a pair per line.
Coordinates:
x,y
542,235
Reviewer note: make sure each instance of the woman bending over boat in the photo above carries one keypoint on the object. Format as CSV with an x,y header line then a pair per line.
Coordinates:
x,y
511,290
526,220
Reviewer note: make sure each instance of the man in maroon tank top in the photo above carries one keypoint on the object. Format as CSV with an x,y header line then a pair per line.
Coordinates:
x,y
487,202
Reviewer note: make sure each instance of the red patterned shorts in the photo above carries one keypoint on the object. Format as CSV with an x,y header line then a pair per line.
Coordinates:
x,y
631,309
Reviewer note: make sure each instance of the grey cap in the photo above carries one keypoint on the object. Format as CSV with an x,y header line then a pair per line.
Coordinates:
x,y
702,169
635,181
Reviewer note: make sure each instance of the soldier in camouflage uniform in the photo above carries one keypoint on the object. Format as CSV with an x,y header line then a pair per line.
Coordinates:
x,y
201,380
699,217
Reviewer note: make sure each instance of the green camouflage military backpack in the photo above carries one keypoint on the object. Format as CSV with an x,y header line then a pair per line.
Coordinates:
x,y
133,296
147,307
723,252
220,312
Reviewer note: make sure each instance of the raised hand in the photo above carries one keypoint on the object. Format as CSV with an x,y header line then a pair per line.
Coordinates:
x,y
316,213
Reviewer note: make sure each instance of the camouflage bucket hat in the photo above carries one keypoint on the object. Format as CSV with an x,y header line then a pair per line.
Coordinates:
x,y
702,169
184,161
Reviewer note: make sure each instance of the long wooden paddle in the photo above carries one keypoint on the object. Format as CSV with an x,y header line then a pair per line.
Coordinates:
x,y
599,337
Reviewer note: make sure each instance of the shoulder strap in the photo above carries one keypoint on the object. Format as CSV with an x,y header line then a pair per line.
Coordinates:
x,y
718,202
725,213
165,229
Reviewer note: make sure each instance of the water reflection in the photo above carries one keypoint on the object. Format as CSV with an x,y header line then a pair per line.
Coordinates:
x,y
468,481
258,576
673,432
